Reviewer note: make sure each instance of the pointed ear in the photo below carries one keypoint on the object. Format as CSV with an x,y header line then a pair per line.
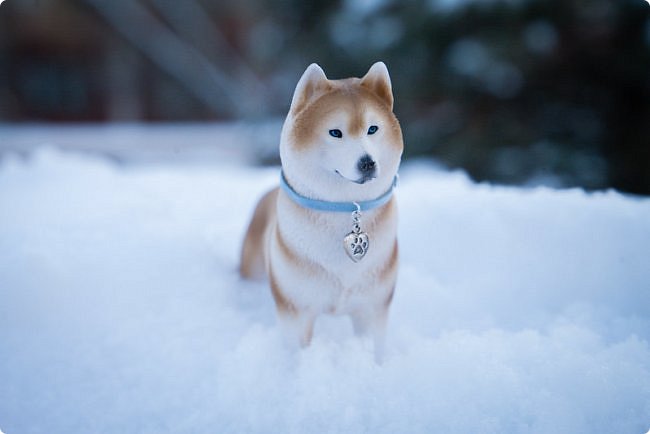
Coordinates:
x,y
312,83
377,80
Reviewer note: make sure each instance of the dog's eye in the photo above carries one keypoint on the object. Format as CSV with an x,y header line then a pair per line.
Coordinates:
x,y
373,129
336,133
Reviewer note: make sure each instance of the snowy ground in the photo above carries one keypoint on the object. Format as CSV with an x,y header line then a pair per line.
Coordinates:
x,y
517,311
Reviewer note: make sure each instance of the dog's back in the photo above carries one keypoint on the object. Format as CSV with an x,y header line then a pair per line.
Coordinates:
x,y
253,255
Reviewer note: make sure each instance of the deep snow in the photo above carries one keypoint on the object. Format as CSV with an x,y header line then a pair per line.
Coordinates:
x,y
517,310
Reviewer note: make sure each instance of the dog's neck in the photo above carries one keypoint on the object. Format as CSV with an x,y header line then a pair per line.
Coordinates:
x,y
323,205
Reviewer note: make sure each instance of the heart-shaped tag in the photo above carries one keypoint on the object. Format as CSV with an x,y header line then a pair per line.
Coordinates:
x,y
356,245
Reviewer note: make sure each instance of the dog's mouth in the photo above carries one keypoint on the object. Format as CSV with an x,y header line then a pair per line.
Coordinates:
x,y
362,180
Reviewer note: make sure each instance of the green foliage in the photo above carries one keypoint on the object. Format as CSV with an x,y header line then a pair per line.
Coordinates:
x,y
513,91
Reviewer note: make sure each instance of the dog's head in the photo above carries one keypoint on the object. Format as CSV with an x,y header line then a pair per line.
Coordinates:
x,y
341,140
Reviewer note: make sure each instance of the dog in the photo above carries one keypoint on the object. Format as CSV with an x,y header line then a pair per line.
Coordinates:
x,y
326,238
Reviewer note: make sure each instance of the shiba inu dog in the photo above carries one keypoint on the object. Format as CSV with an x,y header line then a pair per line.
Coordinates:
x,y
327,237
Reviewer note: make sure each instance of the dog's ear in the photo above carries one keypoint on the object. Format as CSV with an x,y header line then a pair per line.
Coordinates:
x,y
378,81
312,83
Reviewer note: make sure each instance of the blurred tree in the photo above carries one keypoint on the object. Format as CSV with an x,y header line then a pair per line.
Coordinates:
x,y
513,91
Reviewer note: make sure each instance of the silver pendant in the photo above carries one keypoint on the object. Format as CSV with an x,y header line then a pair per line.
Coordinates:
x,y
356,243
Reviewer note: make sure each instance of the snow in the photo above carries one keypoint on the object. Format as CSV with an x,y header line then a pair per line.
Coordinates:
x,y
517,310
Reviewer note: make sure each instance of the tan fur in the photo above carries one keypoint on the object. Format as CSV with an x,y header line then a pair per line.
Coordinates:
x,y
344,97
389,270
292,256
251,265
282,303
301,250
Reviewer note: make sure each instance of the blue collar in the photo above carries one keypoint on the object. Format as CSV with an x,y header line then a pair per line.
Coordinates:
x,y
323,205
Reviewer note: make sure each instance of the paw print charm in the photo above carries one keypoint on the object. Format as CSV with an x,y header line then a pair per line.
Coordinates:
x,y
356,245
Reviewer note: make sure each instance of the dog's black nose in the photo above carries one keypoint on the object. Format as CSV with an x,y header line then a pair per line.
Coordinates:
x,y
366,165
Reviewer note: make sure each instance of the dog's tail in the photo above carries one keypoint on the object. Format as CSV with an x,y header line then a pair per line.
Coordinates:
x,y
253,261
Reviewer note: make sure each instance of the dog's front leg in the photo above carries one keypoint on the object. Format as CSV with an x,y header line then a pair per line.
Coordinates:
x,y
297,327
372,323
297,324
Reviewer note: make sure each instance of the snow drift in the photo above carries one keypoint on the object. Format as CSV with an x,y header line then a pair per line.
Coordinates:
x,y
517,310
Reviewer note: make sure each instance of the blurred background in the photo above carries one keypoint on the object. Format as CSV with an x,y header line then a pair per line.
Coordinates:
x,y
526,92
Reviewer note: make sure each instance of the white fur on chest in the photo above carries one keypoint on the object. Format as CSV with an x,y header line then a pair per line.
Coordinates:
x,y
328,280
